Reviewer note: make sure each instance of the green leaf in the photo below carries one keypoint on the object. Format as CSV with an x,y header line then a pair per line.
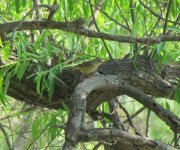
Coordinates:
x,y
50,85
86,9
38,80
45,119
17,5
167,106
6,83
24,3
6,52
106,107
49,48
51,130
2,95
160,47
174,8
40,40
22,70
35,128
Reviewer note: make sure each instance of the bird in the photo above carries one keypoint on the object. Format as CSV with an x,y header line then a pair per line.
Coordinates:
x,y
89,67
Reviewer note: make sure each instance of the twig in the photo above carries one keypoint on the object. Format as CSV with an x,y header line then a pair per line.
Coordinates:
x,y
151,32
2,19
36,138
132,11
157,3
38,14
114,119
38,11
167,15
52,139
113,105
145,24
111,134
91,20
123,26
135,114
175,139
155,14
120,9
6,137
53,10
96,147
129,119
147,123
133,21
98,5
94,19
177,20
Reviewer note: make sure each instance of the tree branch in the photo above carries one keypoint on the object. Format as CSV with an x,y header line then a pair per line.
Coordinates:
x,y
107,134
155,14
167,15
113,84
6,137
77,27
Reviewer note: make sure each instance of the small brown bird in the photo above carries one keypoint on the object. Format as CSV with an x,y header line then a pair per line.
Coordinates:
x,y
89,67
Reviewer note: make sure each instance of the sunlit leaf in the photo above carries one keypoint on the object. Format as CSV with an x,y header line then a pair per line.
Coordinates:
x,y
6,52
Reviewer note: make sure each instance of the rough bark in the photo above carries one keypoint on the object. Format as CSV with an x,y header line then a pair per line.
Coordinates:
x,y
140,73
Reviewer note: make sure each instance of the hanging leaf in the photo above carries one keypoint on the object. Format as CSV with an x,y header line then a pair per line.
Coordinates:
x,y
52,131
39,84
2,95
17,5
6,82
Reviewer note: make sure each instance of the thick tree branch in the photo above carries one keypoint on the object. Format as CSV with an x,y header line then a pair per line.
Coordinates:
x,y
143,77
116,85
78,104
77,27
